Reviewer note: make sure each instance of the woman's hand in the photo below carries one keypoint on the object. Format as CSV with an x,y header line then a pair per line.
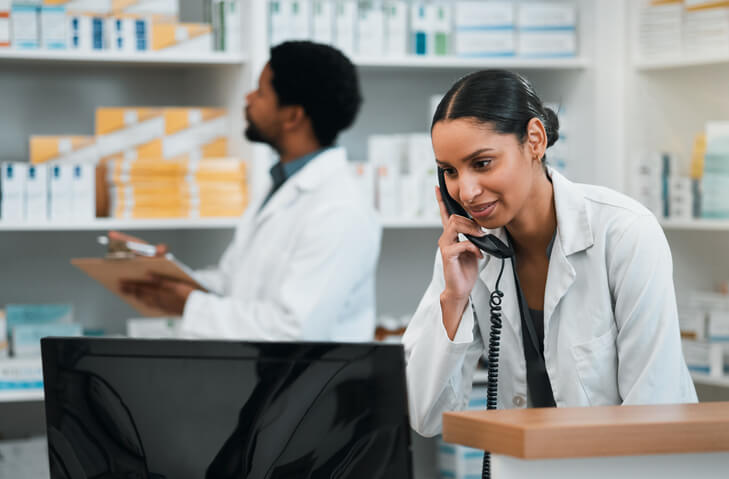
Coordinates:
x,y
460,265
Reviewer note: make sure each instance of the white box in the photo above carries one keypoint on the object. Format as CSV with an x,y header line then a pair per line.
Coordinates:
x,y
83,192
396,28
485,43
547,15
322,24
543,43
421,27
61,192
53,27
442,19
704,357
370,29
365,177
411,190
36,193
479,14
345,19
300,19
279,21
79,32
25,28
154,328
12,189
718,326
121,34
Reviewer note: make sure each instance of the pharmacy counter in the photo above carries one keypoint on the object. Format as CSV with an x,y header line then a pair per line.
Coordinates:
x,y
666,441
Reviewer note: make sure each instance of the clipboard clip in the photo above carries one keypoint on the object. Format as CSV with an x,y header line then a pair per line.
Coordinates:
x,y
120,249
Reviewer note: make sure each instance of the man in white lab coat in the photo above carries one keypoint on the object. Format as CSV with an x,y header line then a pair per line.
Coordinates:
x,y
302,263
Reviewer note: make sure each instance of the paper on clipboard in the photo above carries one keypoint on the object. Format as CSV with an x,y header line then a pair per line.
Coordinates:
x,y
111,272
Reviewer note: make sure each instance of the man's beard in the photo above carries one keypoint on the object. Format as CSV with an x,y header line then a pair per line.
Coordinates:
x,y
254,134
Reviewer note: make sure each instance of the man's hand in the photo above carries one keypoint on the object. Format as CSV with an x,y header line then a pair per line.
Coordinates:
x,y
165,294
161,249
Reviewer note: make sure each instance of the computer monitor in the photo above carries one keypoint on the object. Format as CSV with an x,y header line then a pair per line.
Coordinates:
x,y
177,409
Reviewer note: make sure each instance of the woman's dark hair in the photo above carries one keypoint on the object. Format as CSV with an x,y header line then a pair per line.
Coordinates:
x,y
503,100
320,79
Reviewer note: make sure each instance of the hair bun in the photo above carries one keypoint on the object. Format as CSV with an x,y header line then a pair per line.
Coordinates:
x,y
551,125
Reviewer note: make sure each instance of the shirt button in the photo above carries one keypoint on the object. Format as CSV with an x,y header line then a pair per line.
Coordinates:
x,y
518,401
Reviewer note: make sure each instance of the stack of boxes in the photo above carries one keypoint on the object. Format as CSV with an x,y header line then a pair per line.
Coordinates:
x,y
660,25
705,332
692,28
180,151
399,176
715,182
461,462
547,30
706,28
141,189
117,25
466,28
168,163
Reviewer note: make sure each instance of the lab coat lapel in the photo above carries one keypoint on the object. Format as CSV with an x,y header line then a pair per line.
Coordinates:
x,y
311,176
574,234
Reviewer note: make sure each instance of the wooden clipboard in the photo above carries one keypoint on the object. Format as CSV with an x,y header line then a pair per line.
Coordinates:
x,y
111,272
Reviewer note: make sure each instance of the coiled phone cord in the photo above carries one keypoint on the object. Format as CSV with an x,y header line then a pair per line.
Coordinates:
x,y
493,357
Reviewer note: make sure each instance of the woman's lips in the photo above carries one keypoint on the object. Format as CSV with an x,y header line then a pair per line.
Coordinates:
x,y
482,211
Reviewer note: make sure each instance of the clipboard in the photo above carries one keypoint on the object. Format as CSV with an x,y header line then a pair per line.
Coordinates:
x,y
111,271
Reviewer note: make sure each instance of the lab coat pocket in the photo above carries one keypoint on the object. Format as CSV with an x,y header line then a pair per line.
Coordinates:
x,y
597,368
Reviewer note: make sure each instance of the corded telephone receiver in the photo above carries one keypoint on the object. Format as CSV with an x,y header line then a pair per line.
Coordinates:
x,y
490,243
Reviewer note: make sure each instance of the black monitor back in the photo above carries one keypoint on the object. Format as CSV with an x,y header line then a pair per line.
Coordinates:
x,y
178,409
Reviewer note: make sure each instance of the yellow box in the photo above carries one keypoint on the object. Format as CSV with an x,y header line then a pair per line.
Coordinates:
x,y
66,149
182,37
163,132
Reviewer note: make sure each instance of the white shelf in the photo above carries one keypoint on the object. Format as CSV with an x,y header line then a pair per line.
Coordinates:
x,y
696,225
103,224
677,63
705,379
21,395
26,370
121,58
432,62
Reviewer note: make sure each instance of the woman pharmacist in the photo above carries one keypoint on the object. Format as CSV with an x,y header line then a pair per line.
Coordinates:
x,y
599,323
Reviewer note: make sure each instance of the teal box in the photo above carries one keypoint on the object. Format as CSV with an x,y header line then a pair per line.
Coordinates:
x,y
38,314
26,338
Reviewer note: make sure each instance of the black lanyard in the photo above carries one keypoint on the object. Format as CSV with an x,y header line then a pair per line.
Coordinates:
x,y
540,389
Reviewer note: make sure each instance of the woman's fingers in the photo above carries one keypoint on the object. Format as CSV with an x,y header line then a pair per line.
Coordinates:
x,y
457,249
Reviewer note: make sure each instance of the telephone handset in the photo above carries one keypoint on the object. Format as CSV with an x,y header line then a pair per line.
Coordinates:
x,y
490,243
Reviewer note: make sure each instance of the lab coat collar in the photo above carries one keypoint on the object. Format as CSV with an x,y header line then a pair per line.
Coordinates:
x,y
574,234
573,222
311,177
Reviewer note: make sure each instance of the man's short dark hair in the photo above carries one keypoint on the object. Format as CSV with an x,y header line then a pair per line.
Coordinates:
x,y
320,79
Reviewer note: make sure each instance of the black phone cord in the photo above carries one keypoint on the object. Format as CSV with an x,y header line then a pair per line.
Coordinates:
x,y
493,359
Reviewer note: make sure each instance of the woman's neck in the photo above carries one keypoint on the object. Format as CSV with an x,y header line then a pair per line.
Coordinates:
x,y
532,229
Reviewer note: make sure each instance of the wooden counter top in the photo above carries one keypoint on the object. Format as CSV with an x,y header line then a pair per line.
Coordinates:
x,y
594,431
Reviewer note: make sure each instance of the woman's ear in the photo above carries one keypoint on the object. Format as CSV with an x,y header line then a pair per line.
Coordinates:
x,y
536,139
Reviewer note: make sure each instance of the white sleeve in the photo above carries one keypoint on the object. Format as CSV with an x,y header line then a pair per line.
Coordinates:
x,y
439,371
336,252
215,278
651,366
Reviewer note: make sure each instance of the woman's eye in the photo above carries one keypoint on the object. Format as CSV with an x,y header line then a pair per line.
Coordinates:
x,y
449,171
482,163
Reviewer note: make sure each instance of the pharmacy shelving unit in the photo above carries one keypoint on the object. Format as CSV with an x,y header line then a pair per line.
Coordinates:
x,y
668,101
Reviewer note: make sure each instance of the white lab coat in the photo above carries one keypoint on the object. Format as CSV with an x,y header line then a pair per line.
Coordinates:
x,y
611,333
302,268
